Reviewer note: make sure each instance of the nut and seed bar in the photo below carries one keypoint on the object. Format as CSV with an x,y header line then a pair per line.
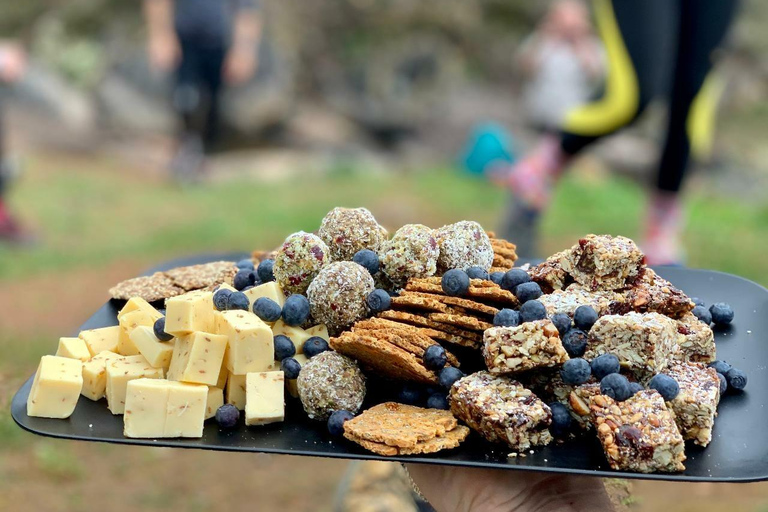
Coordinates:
x,y
604,262
550,274
549,386
638,434
695,407
696,341
578,403
501,410
653,294
530,345
566,301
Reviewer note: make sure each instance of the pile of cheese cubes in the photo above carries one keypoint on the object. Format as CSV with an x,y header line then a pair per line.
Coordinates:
x,y
169,388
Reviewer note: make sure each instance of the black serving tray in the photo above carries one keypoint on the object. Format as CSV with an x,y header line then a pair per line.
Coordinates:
x,y
738,452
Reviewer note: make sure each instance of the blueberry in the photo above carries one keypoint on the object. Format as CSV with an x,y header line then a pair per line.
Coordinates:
x,y
575,371
238,300
221,298
723,383
434,357
314,345
528,291
438,401
616,386
561,419
336,422
243,278
378,300
449,375
634,387
496,277
532,310
736,378
605,364
697,301
562,322
267,309
295,310
506,318
367,259
513,278
455,282
584,317
575,342
477,273
264,271
284,347
227,416
409,394
246,264
667,387
720,366
702,314
722,313
291,368
159,329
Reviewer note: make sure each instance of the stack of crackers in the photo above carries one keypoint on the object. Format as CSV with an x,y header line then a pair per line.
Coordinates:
x,y
395,429
177,281
504,253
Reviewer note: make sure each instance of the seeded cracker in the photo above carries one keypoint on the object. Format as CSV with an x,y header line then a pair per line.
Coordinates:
x,y
402,336
427,331
337,295
451,439
330,382
412,252
421,321
152,288
400,425
195,277
463,245
298,261
466,322
348,230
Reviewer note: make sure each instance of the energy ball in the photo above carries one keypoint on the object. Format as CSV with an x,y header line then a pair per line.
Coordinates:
x,y
412,252
337,295
348,230
298,261
462,245
330,382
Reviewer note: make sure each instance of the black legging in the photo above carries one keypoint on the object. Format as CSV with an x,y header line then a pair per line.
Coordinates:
x,y
655,48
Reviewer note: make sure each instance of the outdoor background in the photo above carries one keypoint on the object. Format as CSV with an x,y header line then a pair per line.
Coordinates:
x,y
357,103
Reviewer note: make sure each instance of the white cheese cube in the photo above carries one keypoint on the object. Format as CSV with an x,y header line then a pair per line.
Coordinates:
x,y
95,375
120,372
270,290
129,322
250,342
99,340
146,408
214,401
319,330
73,348
186,410
197,358
136,304
235,392
297,335
190,312
157,352
56,387
264,398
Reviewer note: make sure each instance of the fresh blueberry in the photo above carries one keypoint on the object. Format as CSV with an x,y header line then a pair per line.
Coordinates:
x,y
528,291
702,314
455,282
367,259
667,387
723,383
314,345
238,300
295,310
575,342
336,422
264,271
159,329
575,371
736,378
698,302
291,368
532,310
267,309
561,419
284,347
438,401
605,364
477,273
227,416
584,317
506,318
722,313
634,387
378,300
562,322
409,394
514,278
720,366
221,298
616,386
496,277
449,375
244,278
434,357
246,264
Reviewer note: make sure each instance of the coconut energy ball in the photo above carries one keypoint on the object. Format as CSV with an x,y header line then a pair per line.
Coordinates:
x,y
462,245
412,252
337,295
348,230
330,382
298,261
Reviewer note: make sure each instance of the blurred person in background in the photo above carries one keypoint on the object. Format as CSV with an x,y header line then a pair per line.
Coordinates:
x,y
654,49
208,43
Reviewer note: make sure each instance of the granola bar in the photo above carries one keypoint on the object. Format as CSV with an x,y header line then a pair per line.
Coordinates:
x,y
695,407
566,301
638,434
550,274
549,386
696,341
653,293
579,400
604,262
643,342
530,345
501,410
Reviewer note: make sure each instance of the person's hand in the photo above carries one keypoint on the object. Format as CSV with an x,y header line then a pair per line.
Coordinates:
x,y
240,64
453,489
13,62
163,51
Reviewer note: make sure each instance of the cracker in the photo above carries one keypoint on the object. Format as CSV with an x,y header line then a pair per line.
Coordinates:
x,y
404,336
496,295
457,303
467,322
152,288
410,301
427,331
451,439
479,289
195,277
502,262
421,321
400,425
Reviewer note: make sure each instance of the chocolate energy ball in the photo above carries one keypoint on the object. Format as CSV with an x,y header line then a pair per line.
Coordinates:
x,y
337,295
298,261
348,230
462,245
330,382
412,252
